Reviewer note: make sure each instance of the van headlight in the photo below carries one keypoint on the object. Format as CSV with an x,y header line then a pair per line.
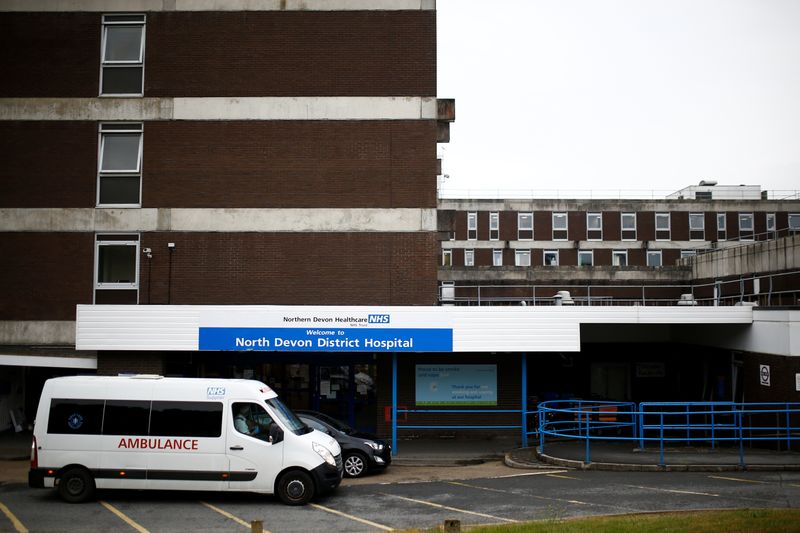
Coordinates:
x,y
325,453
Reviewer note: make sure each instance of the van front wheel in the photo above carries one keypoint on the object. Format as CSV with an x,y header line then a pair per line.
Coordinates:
x,y
296,488
76,485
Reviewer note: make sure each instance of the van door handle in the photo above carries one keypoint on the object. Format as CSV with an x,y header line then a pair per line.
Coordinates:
x,y
237,447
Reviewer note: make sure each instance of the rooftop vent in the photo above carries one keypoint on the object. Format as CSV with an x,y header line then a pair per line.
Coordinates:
x,y
708,183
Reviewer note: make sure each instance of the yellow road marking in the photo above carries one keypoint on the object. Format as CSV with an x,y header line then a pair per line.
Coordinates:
x,y
561,477
793,485
540,473
351,517
439,506
14,520
692,493
123,517
739,479
228,515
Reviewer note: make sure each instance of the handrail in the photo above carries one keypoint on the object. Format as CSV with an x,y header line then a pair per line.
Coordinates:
x,y
669,422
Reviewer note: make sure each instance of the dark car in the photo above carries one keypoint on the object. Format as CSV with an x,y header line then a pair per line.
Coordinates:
x,y
361,452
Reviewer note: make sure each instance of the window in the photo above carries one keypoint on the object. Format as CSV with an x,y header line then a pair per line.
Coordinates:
x,y
469,258
745,226
75,417
117,262
594,226
794,222
697,226
550,258
119,165
494,226
688,253
522,258
722,232
560,226
497,258
122,61
472,226
662,227
126,417
654,258
585,257
619,258
771,226
251,419
447,258
186,419
525,226
628,225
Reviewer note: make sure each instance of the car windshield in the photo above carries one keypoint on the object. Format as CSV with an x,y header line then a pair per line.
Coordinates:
x,y
287,417
339,426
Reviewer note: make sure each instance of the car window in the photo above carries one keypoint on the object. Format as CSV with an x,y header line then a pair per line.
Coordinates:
x,y
314,424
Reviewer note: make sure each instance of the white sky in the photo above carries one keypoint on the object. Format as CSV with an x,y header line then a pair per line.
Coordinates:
x,y
620,94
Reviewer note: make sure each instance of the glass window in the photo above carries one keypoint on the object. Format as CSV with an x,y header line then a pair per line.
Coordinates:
x,y
746,222
585,258
522,258
794,221
497,258
662,221
75,417
619,258
117,264
251,419
447,258
186,419
525,226
688,253
494,226
722,233
628,221
697,222
122,60
126,417
119,165
550,258
472,226
654,258
469,258
559,221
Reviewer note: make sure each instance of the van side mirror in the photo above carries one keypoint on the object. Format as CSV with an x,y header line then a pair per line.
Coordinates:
x,y
277,435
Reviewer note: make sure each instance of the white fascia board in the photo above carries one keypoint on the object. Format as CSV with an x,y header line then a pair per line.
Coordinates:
x,y
215,5
49,361
221,108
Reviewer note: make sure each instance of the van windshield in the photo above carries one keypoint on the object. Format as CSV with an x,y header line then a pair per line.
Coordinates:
x,y
287,417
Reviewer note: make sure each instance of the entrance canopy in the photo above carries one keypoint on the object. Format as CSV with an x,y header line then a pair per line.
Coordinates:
x,y
367,329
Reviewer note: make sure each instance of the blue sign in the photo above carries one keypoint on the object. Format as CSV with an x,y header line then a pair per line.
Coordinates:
x,y
456,385
327,339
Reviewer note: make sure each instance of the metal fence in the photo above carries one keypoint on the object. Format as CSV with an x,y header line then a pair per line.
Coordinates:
x,y
665,423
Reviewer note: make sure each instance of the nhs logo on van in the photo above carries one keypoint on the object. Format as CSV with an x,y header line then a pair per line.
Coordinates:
x,y
378,319
215,393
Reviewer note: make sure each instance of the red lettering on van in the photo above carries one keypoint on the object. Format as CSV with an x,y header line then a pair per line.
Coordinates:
x,y
157,444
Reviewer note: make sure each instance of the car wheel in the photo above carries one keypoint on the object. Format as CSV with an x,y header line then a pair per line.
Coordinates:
x,y
76,485
355,464
296,488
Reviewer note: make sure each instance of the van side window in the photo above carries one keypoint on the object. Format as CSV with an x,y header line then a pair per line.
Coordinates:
x,y
75,417
252,419
126,417
186,419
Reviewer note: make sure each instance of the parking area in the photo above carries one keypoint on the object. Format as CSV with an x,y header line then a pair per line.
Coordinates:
x,y
378,504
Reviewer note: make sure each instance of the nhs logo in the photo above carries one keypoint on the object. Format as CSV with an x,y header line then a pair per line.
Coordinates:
x,y
378,319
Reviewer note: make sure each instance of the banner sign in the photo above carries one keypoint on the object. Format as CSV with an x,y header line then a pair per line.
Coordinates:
x,y
456,384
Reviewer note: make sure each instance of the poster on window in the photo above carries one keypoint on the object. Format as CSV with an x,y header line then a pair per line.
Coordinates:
x,y
456,385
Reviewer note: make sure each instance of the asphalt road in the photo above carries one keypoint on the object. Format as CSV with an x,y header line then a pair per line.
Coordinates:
x,y
382,503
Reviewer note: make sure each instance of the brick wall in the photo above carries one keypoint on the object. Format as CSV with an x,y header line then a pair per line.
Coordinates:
x,y
44,275
297,53
113,363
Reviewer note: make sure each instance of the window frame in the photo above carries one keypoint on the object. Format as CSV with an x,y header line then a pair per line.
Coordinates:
x,y
751,231
107,22
559,215
472,225
622,229
619,253
586,253
106,129
102,240
522,253
668,229
701,229
655,253
789,218
497,252
554,253
520,228
469,253
589,230
447,258
494,220
722,229
771,231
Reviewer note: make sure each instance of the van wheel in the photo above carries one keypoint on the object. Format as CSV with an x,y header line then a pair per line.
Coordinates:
x,y
76,485
355,464
296,488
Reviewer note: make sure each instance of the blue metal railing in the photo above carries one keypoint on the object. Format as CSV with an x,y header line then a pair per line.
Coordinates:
x,y
669,422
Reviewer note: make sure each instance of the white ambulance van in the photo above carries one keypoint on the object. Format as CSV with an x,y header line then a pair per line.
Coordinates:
x,y
151,432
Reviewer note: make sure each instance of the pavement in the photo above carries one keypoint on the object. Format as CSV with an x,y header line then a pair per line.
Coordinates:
x,y
432,459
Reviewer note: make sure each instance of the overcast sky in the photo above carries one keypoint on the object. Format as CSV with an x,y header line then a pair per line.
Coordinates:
x,y
620,94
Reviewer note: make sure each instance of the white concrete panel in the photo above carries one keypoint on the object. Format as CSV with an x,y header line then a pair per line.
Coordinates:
x,y
37,332
215,5
228,220
49,362
220,108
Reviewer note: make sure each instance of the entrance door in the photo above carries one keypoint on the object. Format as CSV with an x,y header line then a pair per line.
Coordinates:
x,y
254,461
610,381
347,393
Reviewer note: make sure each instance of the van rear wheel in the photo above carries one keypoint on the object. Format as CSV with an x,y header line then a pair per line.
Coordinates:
x,y
296,488
76,485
